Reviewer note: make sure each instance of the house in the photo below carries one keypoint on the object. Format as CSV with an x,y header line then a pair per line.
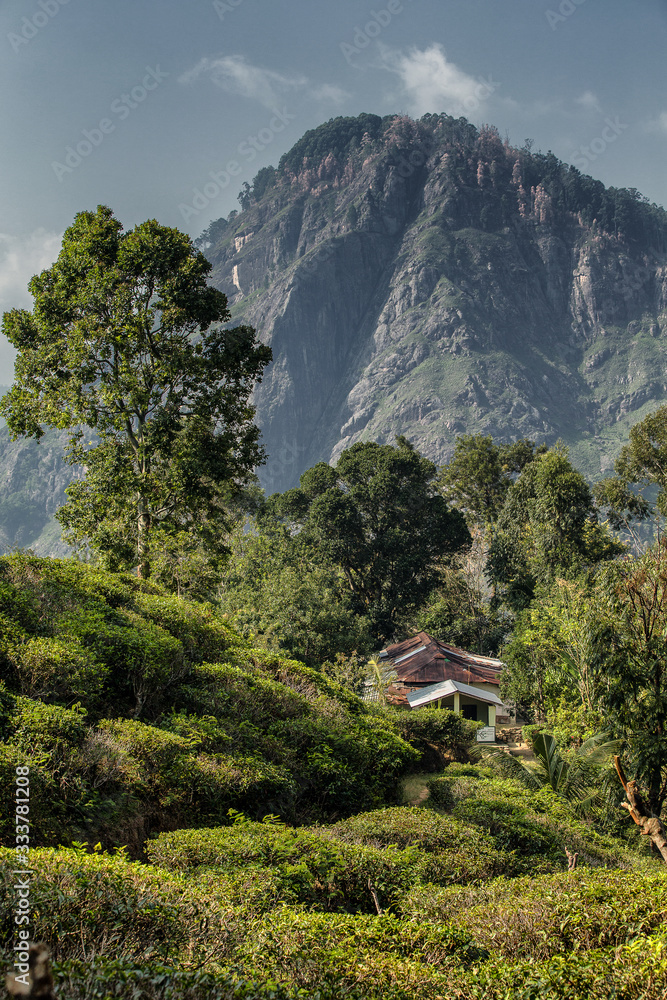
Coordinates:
x,y
431,672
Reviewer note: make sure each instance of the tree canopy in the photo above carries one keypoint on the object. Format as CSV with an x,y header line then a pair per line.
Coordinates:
x,y
480,472
548,526
377,515
125,340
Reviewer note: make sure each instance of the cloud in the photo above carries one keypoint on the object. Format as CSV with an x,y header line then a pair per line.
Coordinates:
x,y
588,101
431,82
329,92
658,124
20,258
237,76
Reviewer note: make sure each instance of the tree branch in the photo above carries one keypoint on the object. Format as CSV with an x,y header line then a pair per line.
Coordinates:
x,y
650,826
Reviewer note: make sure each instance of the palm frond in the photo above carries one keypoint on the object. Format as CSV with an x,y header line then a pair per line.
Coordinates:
x,y
510,766
548,755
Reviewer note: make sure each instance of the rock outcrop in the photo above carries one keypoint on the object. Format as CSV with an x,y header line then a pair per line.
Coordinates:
x,y
427,279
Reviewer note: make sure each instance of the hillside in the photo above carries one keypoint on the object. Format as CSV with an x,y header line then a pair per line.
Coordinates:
x,y
249,840
427,279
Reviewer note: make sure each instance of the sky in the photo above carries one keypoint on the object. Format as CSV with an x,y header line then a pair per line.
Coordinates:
x,y
163,108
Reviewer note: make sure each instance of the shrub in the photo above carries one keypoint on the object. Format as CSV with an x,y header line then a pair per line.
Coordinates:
x,y
444,729
50,729
440,793
197,627
52,668
342,955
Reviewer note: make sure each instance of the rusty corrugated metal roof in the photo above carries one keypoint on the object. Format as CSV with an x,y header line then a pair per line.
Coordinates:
x,y
425,660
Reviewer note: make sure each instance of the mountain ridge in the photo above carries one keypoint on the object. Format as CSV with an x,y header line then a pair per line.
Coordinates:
x,y
429,279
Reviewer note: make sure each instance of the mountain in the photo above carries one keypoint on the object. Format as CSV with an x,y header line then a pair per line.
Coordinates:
x,y
427,278
33,479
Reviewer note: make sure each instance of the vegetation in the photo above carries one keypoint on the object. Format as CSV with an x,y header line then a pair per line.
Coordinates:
x,y
555,188
263,909
378,517
241,797
123,341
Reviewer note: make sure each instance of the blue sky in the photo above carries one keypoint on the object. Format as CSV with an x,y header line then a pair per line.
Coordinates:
x,y
139,104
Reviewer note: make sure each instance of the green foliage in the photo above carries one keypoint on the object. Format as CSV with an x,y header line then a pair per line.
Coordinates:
x,y
457,613
279,589
547,528
552,654
379,518
479,474
329,868
631,652
262,182
336,137
253,731
533,825
436,727
261,909
577,777
50,668
640,468
123,342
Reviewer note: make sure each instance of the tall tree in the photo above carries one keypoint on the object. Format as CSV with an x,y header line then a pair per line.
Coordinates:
x,y
548,527
377,515
125,340
632,653
640,468
480,472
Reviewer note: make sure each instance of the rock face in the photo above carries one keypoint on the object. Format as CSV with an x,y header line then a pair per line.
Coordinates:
x,y
427,279
33,479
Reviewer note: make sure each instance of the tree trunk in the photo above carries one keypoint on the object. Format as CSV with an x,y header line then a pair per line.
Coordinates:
x,y
650,826
143,528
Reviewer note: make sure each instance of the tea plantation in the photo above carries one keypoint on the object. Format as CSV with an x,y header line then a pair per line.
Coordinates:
x,y
210,820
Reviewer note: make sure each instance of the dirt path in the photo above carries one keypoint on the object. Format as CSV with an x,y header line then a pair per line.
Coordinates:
x,y
521,750
414,790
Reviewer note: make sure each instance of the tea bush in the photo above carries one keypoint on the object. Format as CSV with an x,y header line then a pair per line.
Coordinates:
x,y
341,955
310,868
532,827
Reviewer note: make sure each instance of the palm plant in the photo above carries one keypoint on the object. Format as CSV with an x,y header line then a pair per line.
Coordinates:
x,y
381,676
574,777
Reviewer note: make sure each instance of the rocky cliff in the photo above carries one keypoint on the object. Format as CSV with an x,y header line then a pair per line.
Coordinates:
x,y
423,278
33,479
428,279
